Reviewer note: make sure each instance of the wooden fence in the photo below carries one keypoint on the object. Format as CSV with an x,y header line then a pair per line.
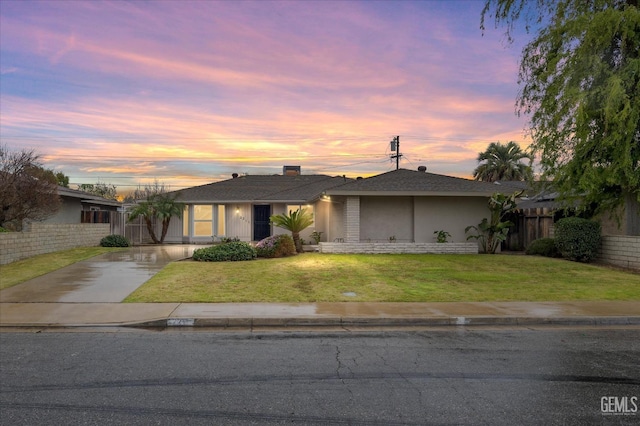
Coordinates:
x,y
529,225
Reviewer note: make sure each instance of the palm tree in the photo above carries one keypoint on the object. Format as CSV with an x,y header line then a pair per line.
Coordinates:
x,y
145,210
166,207
503,163
295,221
157,206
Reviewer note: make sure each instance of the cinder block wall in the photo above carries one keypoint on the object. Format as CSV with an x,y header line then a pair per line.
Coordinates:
x,y
414,248
621,250
44,238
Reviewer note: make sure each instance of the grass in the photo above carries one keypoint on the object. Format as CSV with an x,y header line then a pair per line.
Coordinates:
x,y
388,278
23,270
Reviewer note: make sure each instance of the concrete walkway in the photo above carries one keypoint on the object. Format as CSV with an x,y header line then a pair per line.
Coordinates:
x,y
347,314
89,293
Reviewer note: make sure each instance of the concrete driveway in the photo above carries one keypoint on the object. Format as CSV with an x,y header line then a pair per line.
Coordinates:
x,y
106,278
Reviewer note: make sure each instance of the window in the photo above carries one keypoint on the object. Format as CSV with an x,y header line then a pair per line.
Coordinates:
x,y
185,221
221,227
307,207
202,221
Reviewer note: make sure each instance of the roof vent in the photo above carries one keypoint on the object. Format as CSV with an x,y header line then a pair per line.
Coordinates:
x,y
291,170
234,175
422,169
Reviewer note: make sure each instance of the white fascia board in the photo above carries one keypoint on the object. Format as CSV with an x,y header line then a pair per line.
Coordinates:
x,y
411,193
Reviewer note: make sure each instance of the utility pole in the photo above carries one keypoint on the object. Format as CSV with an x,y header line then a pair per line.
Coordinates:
x,y
395,146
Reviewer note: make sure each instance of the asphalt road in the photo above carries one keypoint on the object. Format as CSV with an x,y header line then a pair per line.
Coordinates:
x,y
431,376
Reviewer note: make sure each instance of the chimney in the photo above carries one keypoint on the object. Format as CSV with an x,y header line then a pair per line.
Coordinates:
x,y
422,169
234,175
291,170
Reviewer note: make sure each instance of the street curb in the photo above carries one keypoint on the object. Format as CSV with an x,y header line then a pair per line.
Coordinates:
x,y
346,322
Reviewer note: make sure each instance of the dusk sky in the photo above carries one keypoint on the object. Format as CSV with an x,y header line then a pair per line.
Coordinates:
x,y
187,93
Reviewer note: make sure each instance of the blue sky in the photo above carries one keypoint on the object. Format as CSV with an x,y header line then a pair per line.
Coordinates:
x,y
187,93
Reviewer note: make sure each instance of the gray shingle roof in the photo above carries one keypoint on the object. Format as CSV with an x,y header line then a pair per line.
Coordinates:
x,y
86,197
409,182
257,188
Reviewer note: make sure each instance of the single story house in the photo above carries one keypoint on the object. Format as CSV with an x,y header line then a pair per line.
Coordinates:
x,y
409,206
83,207
240,207
400,206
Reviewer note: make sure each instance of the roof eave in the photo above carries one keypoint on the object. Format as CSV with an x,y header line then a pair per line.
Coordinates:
x,y
104,203
412,193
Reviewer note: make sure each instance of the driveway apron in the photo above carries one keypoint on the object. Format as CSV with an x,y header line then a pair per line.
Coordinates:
x,y
106,278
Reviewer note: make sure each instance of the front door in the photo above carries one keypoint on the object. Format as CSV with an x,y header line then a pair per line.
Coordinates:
x,y
261,226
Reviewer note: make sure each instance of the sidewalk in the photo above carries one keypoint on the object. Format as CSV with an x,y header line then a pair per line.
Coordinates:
x,y
349,314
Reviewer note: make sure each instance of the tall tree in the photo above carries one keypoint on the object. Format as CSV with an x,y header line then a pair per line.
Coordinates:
x,y
110,192
296,222
580,85
63,180
27,190
503,162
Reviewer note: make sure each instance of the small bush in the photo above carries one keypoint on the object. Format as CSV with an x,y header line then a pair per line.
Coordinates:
x,y
226,240
577,239
3,229
543,247
276,246
228,252
114,241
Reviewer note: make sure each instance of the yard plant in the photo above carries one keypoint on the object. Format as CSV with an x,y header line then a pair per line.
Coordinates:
x,y
227,252
491,232
115,241
276,246
296,222
543,247
577,239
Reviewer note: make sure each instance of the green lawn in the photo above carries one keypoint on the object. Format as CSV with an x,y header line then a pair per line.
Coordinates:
x,y
23,270
316,277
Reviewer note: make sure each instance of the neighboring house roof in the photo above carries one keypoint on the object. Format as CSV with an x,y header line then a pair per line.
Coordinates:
x,y
514,185
546,200
86,197
409,182
261,188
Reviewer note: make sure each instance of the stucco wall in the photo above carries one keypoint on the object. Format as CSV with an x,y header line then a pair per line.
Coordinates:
x,y
44,238
414,248
621,250
336,220
415,219
69,212
450,214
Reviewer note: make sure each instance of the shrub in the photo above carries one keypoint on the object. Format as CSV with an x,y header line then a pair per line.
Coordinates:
x,y
276,246
577,239
226,240
3,229
442,236
233,251
114,241
543,247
